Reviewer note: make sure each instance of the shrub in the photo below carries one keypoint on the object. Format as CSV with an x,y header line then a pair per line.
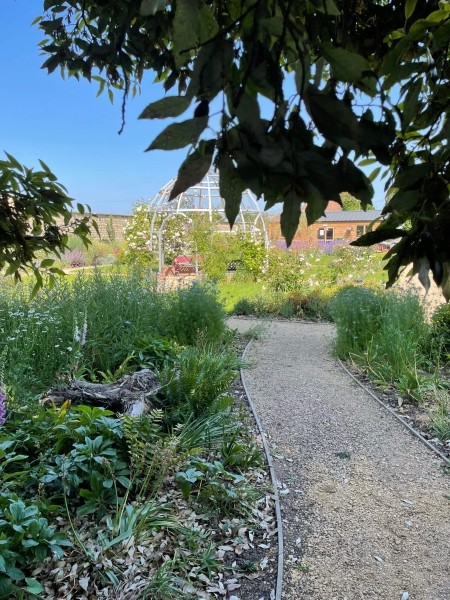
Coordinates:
x,y
285,271
217,254
26,539
253,254
312,305
195,313
74,258
243,307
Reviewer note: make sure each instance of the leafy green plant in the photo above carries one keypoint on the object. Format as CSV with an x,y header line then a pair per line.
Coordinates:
x,y
194,312
208,431
301,567
198,380
30,203
156,352
440,417
42,336
441,330
186,479
25,539
387,332
243,307
238,454
285,272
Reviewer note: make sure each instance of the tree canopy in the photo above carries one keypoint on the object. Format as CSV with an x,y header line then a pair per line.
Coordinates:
x,y
350,203
349,84
35,218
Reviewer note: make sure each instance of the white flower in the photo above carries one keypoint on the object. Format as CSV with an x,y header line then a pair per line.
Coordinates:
x,y
69,349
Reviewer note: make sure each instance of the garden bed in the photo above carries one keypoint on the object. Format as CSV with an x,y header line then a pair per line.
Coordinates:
x,y
239,558
174,502
415,415
392,347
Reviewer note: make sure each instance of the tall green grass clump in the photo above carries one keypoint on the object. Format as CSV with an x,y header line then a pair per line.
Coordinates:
x,y
195,313
385,330
90,325
91,322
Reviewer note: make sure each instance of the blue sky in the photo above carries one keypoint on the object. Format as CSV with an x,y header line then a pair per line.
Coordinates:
x,y
75,133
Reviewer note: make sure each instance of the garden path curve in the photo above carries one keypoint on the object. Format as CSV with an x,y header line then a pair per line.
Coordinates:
x,y
367,512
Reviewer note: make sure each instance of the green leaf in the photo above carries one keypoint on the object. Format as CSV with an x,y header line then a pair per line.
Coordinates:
x,y
315,202
325,6
404,71
29,543
15,573
374,174
186,489
410,6
411,175
377,236
111,96
14,162
5,587
403,201
274,25
249,118
194,168
357,184
302,74
290,217
186,27
33,586
208,27
170,106
151,7
334,119
410,105
123,481
231,187
179,135
347,66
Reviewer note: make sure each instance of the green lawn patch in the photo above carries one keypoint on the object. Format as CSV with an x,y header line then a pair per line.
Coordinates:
x,y
230,293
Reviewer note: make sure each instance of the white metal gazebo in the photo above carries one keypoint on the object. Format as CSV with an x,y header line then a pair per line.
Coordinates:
x,y
204,197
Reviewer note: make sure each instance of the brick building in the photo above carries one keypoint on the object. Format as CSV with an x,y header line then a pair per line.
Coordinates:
x,y
337,224
344,224
107,223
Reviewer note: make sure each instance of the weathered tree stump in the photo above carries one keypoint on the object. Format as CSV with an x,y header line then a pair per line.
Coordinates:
x,y
130,394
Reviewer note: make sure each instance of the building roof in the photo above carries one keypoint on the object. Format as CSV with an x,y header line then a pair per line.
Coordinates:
x,y
350,215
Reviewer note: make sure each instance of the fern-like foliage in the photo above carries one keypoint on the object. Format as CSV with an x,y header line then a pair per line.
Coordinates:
x,y
199,379
141,434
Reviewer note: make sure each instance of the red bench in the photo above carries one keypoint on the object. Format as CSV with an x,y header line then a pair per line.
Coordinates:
x,y
186,264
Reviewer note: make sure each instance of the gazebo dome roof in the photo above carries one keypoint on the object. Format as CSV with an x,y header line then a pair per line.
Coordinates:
x,y
202,197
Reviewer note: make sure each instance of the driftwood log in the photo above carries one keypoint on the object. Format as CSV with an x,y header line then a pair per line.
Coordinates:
x,y
129,395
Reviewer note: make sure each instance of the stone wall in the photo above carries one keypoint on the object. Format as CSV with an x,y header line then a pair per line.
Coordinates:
x,y
104,220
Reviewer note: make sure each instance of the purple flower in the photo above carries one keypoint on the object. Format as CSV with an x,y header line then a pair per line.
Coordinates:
x,y
2,405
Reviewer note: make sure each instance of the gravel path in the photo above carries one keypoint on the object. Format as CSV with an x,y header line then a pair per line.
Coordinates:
x,y
364,503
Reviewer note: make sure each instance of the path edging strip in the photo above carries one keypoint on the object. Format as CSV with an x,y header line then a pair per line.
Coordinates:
x,y
274,483
398,417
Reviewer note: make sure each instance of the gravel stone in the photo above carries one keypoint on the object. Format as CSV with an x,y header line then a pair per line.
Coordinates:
x,y
313,412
